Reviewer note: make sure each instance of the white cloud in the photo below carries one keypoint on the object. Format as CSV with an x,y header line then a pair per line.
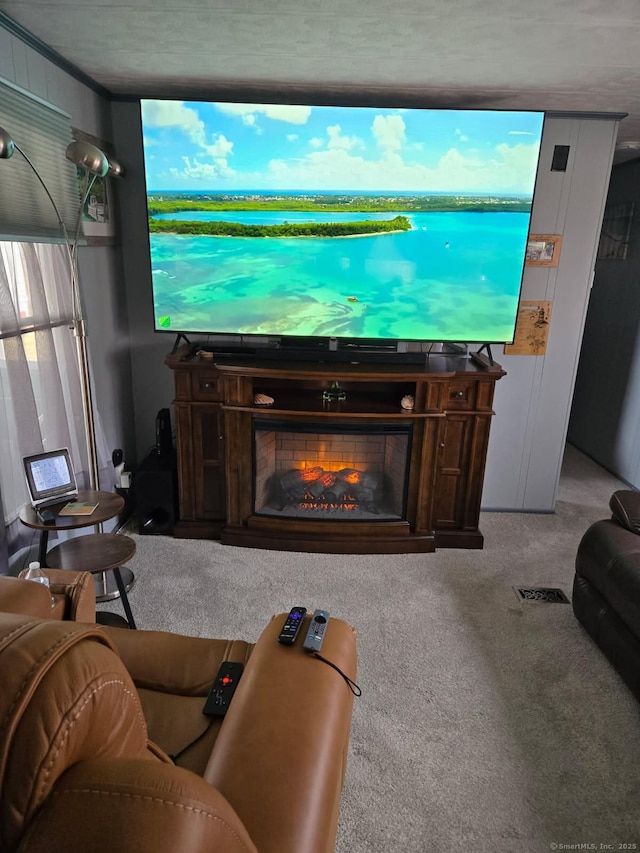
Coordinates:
x,y
455,171
461,136
520,133
389,132
174,114
292,137
198,171
337,140
316,142
289,113
221,147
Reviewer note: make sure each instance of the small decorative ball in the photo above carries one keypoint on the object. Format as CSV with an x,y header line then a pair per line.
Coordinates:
x,y
407,402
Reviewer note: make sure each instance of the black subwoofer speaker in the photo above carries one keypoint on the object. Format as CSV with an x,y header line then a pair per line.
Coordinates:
x,y
156,494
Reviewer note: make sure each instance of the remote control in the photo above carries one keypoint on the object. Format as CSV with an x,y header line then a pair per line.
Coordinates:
x,y
316,632
292,626
223,689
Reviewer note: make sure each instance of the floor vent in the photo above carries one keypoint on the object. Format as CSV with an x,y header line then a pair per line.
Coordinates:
x,y
541,594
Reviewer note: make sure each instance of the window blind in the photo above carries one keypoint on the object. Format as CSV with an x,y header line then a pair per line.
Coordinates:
x,y
43,132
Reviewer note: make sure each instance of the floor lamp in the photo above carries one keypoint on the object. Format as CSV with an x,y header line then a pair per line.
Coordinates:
x,y
94,164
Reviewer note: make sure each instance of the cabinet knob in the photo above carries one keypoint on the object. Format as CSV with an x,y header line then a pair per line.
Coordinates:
x,y
206,385
458,395
442,444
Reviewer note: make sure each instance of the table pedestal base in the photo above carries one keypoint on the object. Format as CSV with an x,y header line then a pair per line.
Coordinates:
x,y
111,619
106,586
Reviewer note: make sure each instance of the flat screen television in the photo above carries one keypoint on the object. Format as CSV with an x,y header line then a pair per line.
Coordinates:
x,y
354,223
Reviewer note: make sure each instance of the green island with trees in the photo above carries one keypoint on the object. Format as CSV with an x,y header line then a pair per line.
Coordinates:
x,y
287,229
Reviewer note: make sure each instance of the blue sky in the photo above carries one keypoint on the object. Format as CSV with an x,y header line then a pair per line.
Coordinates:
x,y
223,147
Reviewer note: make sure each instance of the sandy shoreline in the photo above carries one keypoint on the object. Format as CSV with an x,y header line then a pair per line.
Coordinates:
x,y
289,236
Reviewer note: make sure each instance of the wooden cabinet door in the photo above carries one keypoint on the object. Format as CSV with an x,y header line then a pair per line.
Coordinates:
x,y
455,442
462,454
208,464
201,459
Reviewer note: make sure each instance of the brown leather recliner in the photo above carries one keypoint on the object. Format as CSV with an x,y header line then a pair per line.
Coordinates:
x,y
74,594
89,716
606,587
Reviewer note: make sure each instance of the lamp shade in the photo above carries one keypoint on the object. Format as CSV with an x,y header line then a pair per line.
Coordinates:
x,y
88,157
7,146
115,168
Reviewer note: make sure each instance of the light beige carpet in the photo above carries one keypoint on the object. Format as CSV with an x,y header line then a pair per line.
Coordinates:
x,y
485,724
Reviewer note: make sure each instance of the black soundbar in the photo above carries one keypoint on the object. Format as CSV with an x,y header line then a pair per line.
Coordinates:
x,y
343,356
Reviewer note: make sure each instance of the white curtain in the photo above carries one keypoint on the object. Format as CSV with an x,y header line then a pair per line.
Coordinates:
x,y
40,394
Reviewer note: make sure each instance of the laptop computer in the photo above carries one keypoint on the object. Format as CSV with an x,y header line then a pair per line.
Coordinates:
x,y
50,478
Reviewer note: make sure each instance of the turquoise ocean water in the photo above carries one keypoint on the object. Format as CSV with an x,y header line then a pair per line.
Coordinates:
x,y
454,276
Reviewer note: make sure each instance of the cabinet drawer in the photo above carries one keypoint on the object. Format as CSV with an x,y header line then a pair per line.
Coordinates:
x,y
462,395
207,385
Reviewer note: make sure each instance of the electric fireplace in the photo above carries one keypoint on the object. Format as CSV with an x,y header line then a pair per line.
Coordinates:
x,y
330,471
324,457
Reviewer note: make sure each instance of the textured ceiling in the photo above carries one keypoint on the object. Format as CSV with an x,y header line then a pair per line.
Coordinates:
x,y
573,55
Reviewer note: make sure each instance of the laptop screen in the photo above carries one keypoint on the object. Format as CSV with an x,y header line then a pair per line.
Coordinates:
x,y
49,475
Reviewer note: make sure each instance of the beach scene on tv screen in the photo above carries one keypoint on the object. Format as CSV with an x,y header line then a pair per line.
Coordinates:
x,y
355,222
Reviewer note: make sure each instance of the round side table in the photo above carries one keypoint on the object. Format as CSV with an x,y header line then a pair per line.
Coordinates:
x,y
97,553
108,506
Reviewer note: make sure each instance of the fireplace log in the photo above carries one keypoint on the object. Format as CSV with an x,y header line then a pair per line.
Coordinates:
x,y
290,487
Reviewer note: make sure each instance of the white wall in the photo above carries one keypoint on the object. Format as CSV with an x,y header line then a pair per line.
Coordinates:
x,y
533,401
100,267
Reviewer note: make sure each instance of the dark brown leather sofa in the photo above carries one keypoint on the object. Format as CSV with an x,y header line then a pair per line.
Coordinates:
x,y
104,747
606,589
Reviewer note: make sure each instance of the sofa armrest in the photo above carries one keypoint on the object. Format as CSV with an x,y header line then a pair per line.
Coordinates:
x,y
280,756
111,804
78,591
26,597
625,506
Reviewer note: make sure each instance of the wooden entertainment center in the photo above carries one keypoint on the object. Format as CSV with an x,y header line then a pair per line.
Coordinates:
x,y
217,424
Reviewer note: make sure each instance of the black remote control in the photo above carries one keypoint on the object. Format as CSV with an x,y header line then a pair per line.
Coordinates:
x,y
316,632
223,689
292,626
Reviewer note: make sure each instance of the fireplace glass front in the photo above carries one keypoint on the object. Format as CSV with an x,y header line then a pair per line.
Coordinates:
x,y
348,472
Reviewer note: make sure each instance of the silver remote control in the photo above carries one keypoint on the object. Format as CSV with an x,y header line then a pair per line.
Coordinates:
x,y
316,632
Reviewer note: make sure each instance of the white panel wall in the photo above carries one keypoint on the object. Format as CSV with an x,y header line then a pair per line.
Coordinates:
x,y
533,401
25,67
